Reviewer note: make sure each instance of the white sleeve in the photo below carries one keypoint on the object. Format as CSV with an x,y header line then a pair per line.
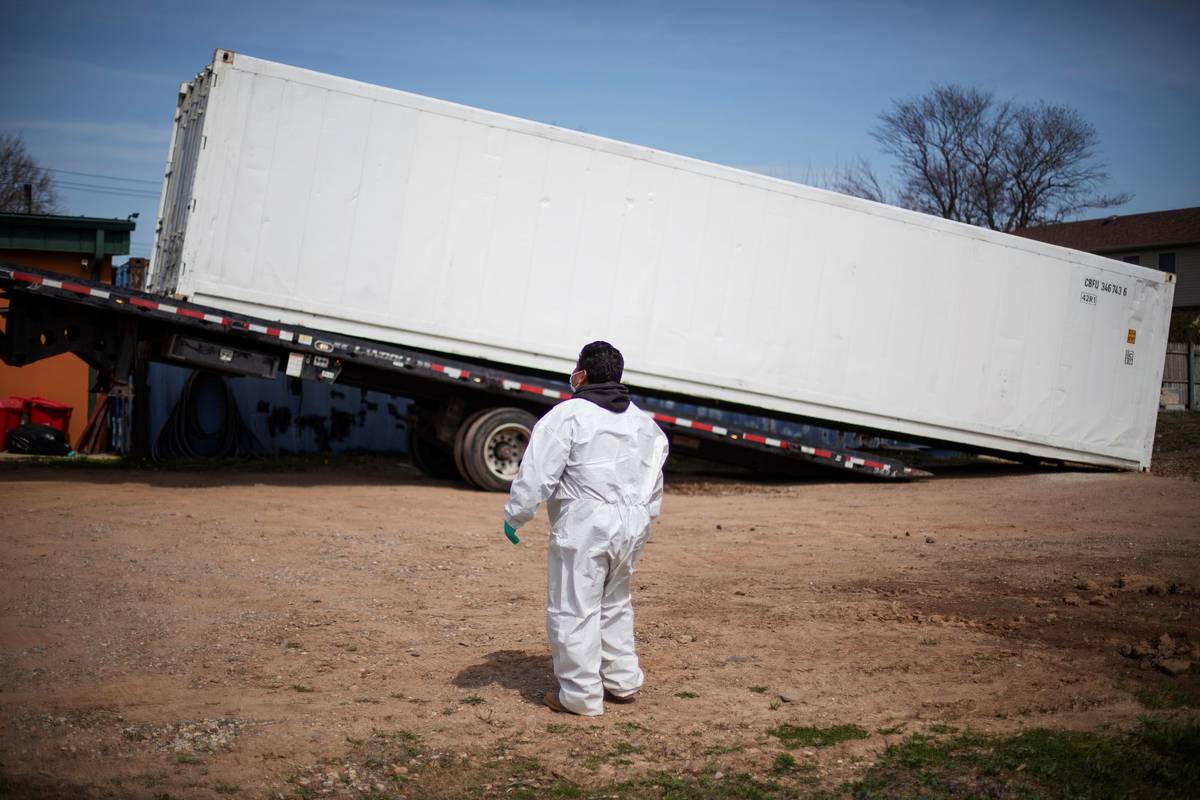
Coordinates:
x,y
662,445
541,468
656,497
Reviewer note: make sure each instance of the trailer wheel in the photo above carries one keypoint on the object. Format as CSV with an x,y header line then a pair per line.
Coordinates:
x,y
461,438
489,447
429,456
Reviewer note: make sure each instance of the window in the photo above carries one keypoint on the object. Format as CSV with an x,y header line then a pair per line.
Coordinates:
x,y
1166,262
1132,259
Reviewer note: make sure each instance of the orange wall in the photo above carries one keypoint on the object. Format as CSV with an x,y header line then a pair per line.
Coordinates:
x,y
63,378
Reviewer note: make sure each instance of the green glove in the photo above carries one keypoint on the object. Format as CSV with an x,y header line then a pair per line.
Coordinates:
x,y
511,533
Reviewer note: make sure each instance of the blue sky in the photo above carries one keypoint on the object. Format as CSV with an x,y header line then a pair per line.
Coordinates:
x,y
791,89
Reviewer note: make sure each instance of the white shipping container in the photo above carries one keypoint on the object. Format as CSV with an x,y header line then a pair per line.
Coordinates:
x,y
339,205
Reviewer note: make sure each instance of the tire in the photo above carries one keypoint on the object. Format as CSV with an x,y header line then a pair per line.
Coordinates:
x,y
461,439
490,445
430,457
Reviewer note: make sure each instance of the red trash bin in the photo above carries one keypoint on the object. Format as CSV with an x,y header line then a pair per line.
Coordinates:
x,y
47,412
12,411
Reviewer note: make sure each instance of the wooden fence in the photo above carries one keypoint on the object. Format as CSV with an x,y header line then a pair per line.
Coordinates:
x,y
1180,376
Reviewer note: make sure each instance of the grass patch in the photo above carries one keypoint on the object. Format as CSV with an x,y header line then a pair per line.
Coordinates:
x,y
300,687
793,736
1156,760
292,645
893,730
723,749
187,758
1164,698
472,700
220,787
758,689
625,748
686,695
629,728
668,787
783,764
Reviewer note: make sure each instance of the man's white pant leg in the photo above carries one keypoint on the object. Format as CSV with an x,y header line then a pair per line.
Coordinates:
x,y
575,585
619,666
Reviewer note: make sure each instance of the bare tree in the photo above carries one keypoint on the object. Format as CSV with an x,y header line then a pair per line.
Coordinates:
x,y
18,170
859,179
962,154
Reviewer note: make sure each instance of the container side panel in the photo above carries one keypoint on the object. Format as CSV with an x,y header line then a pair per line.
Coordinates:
x,y
471,222
592,289
515,305
685,199
417,296
387,162
245,189
772,304
556,243
330,222
632,311
289,188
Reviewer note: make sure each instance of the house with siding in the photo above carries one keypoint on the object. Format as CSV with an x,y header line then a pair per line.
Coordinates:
x,y
1165,240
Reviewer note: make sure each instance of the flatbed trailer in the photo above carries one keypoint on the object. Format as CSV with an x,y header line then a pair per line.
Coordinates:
x,y
468,420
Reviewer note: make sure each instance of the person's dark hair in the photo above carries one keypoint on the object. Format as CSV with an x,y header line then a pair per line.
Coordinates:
x,y
603,362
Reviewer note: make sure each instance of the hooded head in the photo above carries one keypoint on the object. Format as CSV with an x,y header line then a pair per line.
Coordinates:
x,y
597,377
599,362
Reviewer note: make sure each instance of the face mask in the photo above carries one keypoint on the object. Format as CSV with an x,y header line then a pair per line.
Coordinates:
x,y
571,379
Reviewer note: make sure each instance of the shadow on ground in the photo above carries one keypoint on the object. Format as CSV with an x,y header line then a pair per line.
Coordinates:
x,y
530,674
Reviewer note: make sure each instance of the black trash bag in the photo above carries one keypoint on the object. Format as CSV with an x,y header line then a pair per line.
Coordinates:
x,y
37,440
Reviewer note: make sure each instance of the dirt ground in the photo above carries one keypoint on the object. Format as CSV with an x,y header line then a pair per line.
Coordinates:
x,y
338,631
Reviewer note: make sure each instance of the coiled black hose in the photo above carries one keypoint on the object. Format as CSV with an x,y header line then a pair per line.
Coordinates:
x,y
182,436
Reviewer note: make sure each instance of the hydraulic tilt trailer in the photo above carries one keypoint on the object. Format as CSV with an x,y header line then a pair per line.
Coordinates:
x,y
468,420
380,214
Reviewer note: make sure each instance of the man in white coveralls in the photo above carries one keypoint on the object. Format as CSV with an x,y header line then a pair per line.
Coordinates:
x,y
596,461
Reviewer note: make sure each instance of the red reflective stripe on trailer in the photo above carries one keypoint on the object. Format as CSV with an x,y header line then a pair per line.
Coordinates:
x,y
702,426
140,303
750,437
453,372
273,331
76,288
664,418
187,312
822,454
25,277
873,464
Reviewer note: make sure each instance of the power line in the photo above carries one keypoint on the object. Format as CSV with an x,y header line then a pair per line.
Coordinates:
x,y
116,191
104,177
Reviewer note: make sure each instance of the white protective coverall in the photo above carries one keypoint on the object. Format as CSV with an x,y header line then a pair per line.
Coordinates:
x,y
600,474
